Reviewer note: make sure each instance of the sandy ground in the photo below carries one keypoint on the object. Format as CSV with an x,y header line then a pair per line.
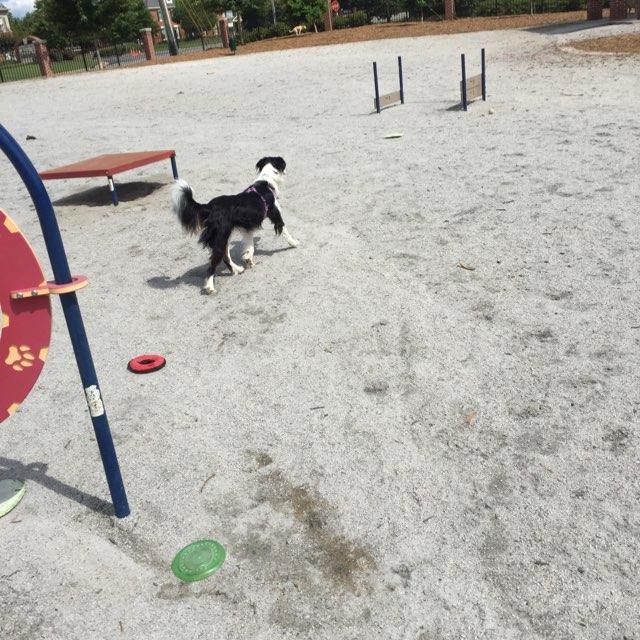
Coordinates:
x,y
395,447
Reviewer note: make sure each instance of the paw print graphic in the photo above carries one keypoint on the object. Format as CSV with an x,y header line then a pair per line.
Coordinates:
x,y
19,357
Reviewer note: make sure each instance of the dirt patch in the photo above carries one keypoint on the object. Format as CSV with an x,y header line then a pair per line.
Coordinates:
x,y
625,44
386,31
340,559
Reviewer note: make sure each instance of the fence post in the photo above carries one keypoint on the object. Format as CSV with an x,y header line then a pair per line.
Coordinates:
x,y
401,82
594,9
464,83
42,56
84,58
147,43
115,46
375,86
1,76
202,40
617,10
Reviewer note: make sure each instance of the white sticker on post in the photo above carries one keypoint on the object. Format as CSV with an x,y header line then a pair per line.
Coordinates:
x,y
94,401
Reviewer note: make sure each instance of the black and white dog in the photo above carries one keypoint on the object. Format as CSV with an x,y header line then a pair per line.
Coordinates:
x,y
244,212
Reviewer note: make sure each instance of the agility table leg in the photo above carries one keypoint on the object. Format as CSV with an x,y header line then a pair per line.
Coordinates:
x,y
112,189
71,310
174,167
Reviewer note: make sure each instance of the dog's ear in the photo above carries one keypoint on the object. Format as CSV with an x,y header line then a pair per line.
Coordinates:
x,y
279,164
261,164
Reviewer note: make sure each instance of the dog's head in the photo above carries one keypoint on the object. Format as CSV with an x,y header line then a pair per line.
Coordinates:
x,y
273,167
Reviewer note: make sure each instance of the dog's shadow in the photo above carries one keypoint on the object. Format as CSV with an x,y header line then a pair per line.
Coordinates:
x,y
195,276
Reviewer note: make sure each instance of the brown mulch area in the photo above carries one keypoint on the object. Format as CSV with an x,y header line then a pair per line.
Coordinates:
x,y
384,31
625,44
411,30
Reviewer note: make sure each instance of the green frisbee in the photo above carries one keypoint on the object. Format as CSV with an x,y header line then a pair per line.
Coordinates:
x,y
11,492
198,560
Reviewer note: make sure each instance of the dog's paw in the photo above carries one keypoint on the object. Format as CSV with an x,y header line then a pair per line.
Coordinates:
x,y
249,263
293,243
238,270
208,291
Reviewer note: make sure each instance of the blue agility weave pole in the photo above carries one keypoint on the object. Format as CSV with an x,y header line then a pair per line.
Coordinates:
x,y
71,309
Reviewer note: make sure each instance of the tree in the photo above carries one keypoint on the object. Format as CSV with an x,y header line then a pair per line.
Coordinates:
x,y
90,20
305,11
196,15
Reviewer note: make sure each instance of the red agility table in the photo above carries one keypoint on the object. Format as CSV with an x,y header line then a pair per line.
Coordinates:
x,y
108,165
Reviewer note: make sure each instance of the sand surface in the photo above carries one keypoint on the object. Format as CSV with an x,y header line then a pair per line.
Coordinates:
x,y
388,445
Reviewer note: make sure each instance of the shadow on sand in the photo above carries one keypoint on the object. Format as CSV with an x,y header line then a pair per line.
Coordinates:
x,y
37,472
195,276
100,196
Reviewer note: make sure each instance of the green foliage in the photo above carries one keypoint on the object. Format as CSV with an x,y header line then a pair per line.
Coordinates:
x,y
355,19
305,11
386,8
61,22
262,33
196,16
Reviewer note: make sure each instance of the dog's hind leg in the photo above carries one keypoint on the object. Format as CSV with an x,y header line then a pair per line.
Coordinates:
x,y
218,251
247,248
232,266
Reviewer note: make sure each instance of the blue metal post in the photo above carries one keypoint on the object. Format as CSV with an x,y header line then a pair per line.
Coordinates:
x,y
375,86
174,167
71,309
464,84
401,83
484,75
112,190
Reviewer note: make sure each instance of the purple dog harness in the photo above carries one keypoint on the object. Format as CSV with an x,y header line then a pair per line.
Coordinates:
x,y
265,204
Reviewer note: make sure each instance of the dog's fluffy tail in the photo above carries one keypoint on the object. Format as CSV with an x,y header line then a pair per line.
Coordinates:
x,y
190,213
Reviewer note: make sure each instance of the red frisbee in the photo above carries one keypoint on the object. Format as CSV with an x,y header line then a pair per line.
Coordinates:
x,y
146,363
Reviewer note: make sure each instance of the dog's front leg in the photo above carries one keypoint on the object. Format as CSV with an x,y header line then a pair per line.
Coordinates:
x,y
287,236
285,232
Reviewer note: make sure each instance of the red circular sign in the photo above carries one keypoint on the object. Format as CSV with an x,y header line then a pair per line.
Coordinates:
x,y
146,363
25,324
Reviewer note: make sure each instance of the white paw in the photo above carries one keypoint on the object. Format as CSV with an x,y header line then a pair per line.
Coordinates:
x,y
238,270
209,290
248,263
293,243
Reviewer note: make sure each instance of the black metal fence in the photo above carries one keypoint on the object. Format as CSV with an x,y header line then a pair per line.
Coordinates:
x,y
191,44
18,62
